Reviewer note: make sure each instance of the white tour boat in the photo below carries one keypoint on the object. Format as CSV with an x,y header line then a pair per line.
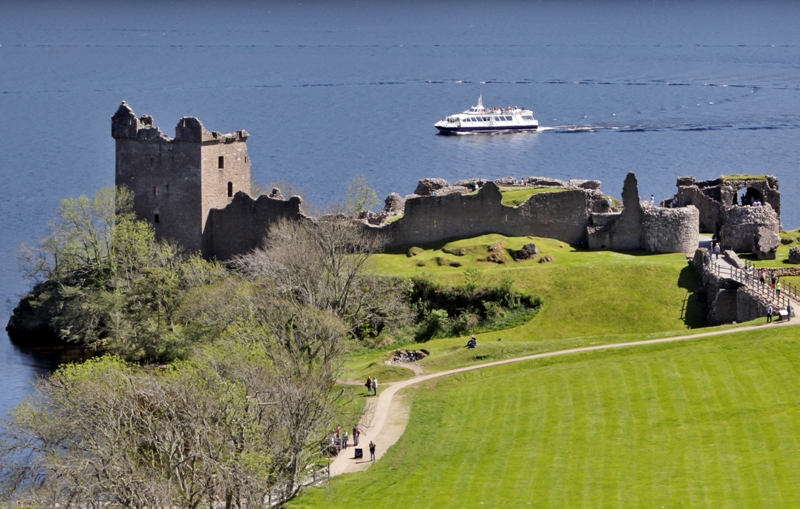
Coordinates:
x,y
488,120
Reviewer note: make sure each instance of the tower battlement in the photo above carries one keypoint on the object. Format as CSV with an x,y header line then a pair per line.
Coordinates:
x,y
177,181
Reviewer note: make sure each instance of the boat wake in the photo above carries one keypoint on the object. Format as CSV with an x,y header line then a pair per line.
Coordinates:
x,y
645,128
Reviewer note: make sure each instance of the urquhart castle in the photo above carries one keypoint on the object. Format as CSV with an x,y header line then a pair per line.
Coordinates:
x,y
195,189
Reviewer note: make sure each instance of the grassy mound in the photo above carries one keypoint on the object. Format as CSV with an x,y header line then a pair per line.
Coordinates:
x,y
714,422
589,297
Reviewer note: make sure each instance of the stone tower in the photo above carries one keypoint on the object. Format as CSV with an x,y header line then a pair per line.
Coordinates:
x,y
177,181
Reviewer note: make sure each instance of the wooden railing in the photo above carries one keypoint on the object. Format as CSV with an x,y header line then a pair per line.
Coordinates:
x,y
749,277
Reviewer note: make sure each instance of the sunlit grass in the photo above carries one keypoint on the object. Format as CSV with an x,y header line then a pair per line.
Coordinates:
x,y
589,297
713,422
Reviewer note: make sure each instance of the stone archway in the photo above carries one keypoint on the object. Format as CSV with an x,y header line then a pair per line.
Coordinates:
x,y
747,196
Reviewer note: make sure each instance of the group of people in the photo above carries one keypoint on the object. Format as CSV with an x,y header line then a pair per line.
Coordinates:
x,y
771,313
372,386
768,277
339,437
752,202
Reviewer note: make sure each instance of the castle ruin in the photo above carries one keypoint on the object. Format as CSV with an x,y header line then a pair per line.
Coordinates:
x,y
195,189
742,210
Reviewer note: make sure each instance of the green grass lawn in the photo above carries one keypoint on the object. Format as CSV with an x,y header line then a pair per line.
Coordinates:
x,y
513,196
714,422
589,297
516,195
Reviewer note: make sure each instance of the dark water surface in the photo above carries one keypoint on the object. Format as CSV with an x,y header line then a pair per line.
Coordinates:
x,y
333,90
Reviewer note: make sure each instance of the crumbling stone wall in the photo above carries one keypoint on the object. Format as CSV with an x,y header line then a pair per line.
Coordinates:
x,y
712,196
242,225
176,181
750,229
667,230
563,216
621,231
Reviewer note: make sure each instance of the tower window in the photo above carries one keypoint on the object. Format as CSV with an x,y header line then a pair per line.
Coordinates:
x,y
156,219
155,190
230,189
245,158
221,162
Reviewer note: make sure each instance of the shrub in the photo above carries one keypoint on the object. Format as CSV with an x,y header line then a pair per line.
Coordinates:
x,y
456,311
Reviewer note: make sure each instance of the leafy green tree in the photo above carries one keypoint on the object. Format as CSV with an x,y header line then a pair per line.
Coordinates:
x,y
108,284
241,424
360,196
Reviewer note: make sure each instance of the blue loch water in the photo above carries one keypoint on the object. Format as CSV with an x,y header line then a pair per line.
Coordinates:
x,y
332,90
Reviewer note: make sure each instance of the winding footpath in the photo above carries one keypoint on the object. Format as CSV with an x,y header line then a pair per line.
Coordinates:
x,y
385,417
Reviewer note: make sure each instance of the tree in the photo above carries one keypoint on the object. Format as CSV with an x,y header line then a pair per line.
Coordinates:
x,y
108,284
80,235
323,264
360,196
240,424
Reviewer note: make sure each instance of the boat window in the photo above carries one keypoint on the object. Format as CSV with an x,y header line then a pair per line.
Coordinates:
x,y
509,118
527,117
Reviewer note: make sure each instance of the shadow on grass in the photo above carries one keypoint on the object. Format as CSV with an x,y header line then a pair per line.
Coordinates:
x,y
694,310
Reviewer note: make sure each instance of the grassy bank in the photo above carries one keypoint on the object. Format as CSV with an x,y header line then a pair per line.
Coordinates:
x,y
590,297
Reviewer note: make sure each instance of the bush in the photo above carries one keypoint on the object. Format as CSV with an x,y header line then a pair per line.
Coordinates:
x,y
436,323
457,311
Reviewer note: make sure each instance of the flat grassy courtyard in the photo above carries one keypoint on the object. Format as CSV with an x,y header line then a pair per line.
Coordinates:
x,y
713,422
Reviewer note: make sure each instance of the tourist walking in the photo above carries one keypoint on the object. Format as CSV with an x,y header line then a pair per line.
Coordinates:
x,y
369,385
356,435
778,286
374,386
789,311
716,250
344,439
372,450
769,314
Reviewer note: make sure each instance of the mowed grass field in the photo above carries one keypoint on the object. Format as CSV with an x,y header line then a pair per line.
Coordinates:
x,y
712,422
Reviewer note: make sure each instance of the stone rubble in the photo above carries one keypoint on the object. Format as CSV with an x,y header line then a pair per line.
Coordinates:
x,y
406,356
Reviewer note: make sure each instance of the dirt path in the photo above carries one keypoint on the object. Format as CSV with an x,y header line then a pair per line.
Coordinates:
x,y
385,417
